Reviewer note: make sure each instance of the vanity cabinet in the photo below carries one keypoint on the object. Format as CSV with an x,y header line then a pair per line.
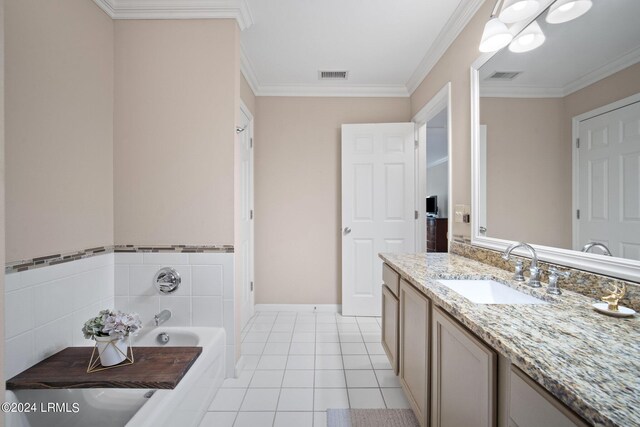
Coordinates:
x,y
390,326
390,316
529,405
415,317
464,376
451,377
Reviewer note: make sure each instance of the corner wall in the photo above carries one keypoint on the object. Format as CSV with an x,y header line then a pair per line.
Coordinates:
x,y
298,246
176,82
59,127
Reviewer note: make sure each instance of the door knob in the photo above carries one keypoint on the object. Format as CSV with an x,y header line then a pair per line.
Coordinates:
x,y
347,230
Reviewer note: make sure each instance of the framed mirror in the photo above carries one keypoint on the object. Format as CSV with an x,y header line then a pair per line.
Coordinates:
x,y
556,142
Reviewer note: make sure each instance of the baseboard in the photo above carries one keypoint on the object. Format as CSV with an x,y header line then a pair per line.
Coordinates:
x,y
239,366
303,308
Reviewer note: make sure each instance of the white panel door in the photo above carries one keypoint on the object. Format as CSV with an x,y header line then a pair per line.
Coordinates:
x,y
377,208
609,181
244,249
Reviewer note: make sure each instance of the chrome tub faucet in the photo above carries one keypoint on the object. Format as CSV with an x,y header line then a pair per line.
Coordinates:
x,y
162,317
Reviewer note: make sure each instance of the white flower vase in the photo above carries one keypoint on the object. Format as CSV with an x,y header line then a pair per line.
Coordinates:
x,y
112,350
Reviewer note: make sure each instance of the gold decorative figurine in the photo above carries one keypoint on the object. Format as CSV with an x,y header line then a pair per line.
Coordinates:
x,y
617,294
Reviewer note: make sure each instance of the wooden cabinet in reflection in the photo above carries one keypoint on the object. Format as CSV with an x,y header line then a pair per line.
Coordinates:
x,y
437,234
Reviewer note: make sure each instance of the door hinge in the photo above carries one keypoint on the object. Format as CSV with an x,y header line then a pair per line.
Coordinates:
x,y
416,215
578,214
251,286
415,143
250,142
577,142
251,214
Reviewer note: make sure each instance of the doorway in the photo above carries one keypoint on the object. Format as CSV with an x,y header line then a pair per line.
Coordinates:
x,y
244,251
606,178
434,173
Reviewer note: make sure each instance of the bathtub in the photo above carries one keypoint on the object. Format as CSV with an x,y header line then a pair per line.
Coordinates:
x,y
184,406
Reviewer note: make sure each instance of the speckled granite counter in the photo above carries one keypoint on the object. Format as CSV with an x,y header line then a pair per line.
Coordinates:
x,y
589,361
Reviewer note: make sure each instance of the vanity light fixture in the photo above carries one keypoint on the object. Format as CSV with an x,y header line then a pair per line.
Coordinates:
x,y
529,39
496,35
566,10
518,10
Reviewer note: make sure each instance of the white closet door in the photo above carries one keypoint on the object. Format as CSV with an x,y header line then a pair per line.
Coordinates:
x,y
609,181
377,208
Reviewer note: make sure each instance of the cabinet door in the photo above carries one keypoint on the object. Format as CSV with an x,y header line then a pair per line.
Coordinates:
x,y
390,327
414,349
391,279
464,376
532,406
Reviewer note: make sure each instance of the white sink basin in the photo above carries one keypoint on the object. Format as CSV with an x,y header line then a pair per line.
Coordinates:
x,y
489,292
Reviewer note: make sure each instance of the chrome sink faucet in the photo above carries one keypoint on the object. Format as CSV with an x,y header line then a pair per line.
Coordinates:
x,y
162,317
534,279
591,245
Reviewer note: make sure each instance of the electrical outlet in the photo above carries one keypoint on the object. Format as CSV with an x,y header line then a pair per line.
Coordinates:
x,y
460,211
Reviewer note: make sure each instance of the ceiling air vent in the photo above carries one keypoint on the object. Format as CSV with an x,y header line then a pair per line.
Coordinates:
x,y
504,75
333,75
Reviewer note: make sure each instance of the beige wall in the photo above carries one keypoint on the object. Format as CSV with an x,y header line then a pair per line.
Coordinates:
x,y
454,67
176,85
59,127
528,170
297,187
613,88
540,131
247,95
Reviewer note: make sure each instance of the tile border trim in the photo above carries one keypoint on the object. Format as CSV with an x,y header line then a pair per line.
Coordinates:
x,y
54,259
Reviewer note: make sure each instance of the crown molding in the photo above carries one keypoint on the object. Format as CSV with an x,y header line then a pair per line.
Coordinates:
x,y
247,69
438,162
179,9
625,61
382,91
451,30
521,92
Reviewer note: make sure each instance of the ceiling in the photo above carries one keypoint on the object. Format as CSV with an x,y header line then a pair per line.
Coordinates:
x,y
604,40
387,46
383,44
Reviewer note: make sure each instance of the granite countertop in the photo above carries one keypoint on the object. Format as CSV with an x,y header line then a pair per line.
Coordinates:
x,y
589,361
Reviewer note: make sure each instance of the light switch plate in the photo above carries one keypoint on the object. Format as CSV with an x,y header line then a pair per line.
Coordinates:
x,y
460,211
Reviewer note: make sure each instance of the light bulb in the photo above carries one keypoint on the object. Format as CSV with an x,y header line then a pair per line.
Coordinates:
x,y
518,10
495,36
529,39
566,10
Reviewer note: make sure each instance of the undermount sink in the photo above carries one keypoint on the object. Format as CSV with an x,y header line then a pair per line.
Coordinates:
x,y
489,292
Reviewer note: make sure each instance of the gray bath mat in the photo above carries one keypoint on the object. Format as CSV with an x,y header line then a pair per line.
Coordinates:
x,y
371,418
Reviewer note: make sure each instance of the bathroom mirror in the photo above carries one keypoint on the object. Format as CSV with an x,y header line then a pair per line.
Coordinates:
x,y
556,142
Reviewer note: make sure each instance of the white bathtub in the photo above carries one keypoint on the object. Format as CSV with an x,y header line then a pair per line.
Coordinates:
x,y
184,406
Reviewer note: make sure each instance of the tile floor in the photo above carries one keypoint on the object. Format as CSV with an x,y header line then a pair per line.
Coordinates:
x,y
297,365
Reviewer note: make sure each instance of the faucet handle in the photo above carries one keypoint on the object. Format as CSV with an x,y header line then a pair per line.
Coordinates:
x,y
554,275
553,271
518,274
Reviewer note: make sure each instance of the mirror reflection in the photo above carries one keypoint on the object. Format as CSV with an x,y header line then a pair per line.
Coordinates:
x,y
560,135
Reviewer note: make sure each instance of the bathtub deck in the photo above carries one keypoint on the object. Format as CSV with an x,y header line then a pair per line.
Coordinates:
x,y
154,368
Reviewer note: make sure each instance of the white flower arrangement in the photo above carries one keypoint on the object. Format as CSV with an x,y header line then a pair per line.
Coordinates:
x,y
111,323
